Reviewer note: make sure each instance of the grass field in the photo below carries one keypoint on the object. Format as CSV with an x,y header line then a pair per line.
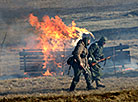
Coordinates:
x,y
130,95
56,89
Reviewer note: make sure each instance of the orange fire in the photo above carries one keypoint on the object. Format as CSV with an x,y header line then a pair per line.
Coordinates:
x,y
47,73
127,69
53,37
25,73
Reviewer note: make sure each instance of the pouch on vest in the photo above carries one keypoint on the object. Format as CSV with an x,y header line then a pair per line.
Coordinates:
x,y
70,60
83,55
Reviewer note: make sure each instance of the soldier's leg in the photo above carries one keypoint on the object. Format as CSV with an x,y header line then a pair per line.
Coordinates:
x,y
88,80
97,77
92,74
99,85
77,73
75,81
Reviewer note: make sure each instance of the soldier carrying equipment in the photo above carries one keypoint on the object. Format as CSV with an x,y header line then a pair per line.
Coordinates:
x,y
96,55
79,63
72,60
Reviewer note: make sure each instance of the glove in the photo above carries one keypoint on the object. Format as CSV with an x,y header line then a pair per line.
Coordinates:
x,y
102,56
81,64
95,61
97,58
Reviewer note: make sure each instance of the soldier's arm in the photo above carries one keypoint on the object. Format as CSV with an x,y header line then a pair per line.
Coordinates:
x,y
78,52
91,50
102,56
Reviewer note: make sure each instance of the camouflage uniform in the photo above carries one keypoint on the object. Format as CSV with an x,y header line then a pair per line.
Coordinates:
x,y
96,53
80,56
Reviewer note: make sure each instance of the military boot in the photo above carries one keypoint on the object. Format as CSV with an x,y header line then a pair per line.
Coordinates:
x,y
90,88
98,85
72,87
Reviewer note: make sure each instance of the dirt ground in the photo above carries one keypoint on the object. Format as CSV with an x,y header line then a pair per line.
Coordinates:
x,y
56,88
115,19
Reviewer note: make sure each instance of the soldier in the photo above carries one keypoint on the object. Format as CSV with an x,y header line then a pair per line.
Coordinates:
x,y
96,53
80,63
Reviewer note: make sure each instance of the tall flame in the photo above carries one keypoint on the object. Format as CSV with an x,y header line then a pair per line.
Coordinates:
x,y
54,36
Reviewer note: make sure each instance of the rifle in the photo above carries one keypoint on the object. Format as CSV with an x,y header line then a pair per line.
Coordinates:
x,y
70,62
80,67
85,69
104,59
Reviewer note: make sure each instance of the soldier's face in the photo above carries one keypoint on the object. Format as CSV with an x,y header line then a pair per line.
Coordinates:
x,y
89,42
104,43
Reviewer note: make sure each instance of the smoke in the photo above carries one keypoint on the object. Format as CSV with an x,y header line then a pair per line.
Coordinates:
x,y
3,25
20,3
17,33
5,77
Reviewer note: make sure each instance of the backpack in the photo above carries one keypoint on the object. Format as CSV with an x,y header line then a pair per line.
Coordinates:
x,y
70,60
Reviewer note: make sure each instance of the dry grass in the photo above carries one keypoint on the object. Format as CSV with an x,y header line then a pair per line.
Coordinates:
x,y
56,89
119,96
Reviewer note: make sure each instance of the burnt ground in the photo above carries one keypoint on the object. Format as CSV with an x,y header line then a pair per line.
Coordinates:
x,y
122,88
117,20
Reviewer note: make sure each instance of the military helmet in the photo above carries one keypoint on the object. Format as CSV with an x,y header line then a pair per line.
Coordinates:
x,y
103,39
85,40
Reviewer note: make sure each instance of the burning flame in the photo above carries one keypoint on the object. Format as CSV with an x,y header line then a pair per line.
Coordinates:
x,y
47,73
25,73
127,69
53,37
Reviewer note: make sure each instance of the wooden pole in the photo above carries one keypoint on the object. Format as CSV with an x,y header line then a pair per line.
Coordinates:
x,y
1,47
114,60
